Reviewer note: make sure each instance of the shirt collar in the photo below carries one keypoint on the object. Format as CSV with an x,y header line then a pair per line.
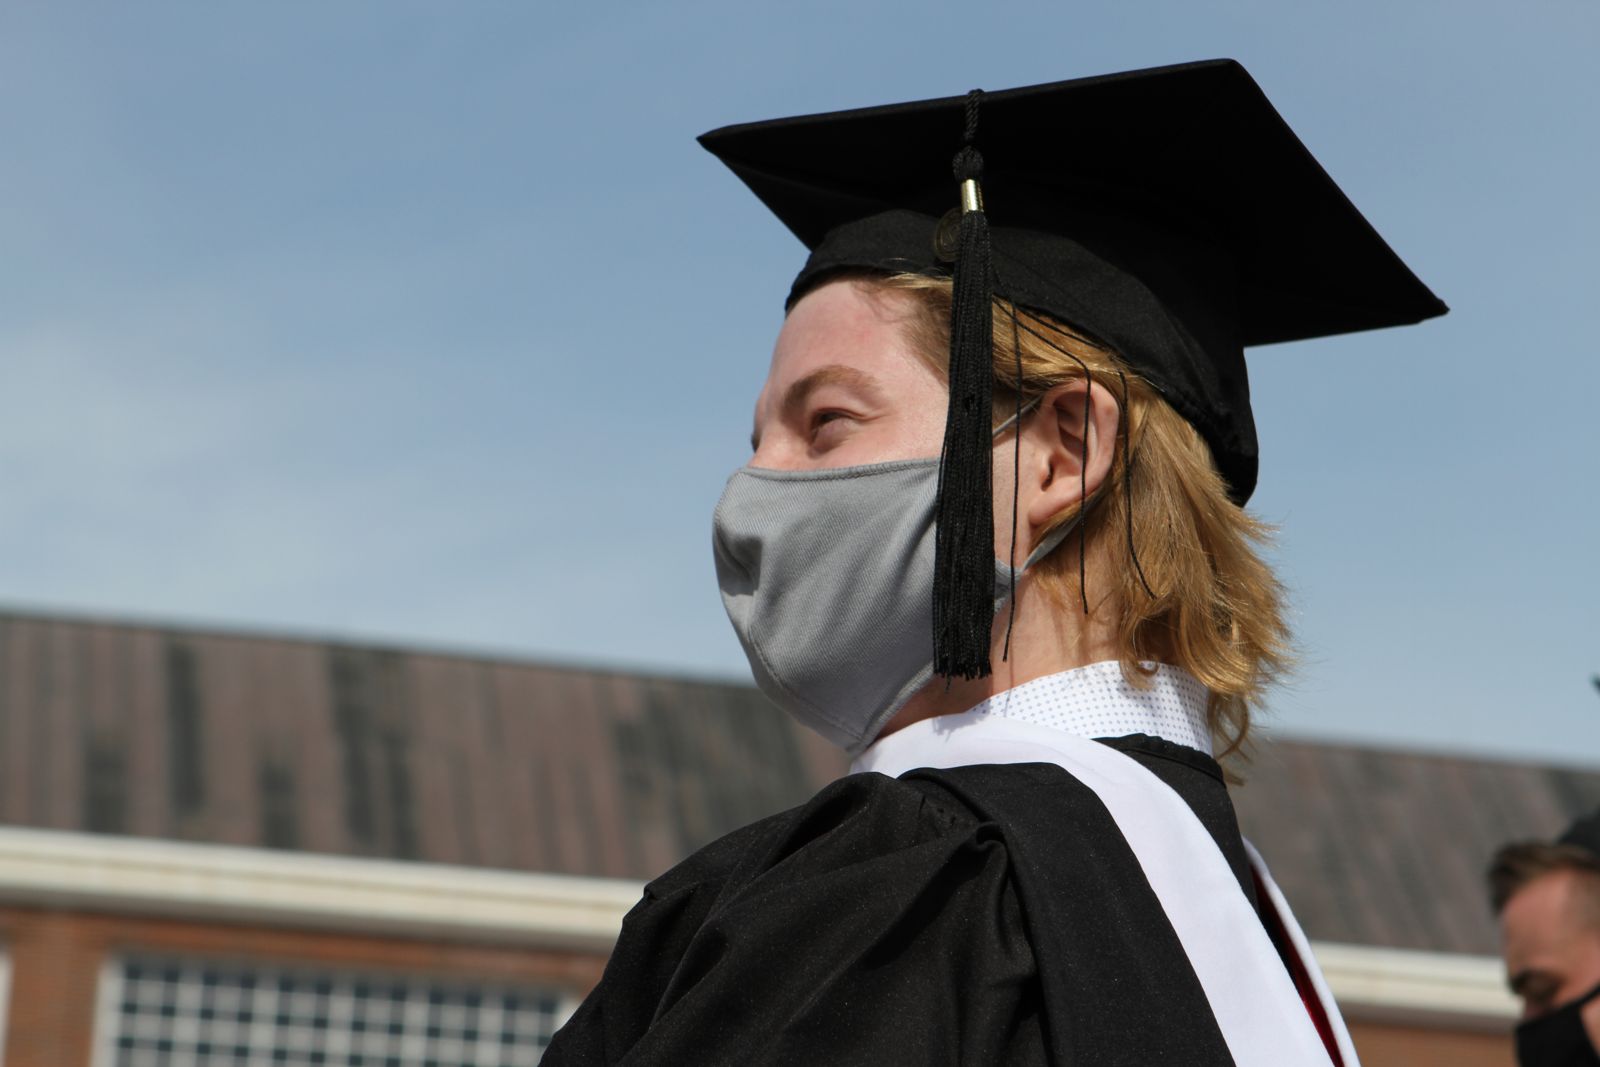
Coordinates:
x,y
1092,701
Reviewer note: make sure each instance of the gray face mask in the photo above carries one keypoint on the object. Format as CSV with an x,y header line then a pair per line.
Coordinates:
x,y
827,576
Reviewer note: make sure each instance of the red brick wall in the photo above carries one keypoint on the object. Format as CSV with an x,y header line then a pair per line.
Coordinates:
x,y
1388,1045
56,957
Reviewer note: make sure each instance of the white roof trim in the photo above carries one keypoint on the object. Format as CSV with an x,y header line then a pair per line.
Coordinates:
x,y
1401,985
142,876
215,882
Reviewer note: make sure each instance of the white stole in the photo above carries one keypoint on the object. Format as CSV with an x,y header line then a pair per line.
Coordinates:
x,y
1252,996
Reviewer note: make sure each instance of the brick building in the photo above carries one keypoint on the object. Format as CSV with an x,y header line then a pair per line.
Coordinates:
x,y
228,849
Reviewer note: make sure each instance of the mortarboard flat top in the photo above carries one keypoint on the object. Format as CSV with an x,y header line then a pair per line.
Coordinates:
x,y
1168,213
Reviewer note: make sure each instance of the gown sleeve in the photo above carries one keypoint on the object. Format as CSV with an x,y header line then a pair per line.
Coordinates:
x,y
877,924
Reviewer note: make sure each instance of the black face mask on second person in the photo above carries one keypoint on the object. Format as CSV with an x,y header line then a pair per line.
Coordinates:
x,y
1558,1039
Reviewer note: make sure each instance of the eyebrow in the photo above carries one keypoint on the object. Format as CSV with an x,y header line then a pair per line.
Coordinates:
x,y
795,397
1520,981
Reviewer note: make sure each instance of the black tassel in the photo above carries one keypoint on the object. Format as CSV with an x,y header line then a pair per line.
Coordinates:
x,y
963,584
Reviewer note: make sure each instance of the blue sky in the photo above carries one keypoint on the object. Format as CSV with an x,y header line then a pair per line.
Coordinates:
x,y
429,322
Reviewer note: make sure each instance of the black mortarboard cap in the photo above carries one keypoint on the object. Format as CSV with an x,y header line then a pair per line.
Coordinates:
x,y
1169,214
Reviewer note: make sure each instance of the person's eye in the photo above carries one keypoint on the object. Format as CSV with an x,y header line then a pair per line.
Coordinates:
x,y
826,424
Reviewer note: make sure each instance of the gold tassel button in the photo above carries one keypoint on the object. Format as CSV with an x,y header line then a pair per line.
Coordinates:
x,y
971,196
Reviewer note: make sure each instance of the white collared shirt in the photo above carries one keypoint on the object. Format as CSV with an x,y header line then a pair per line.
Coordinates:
x,y
1092,701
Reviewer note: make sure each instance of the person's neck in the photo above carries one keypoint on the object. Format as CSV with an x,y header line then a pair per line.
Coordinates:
x,y
1045,640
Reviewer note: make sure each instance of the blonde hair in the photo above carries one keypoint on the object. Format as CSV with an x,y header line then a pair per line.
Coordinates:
x,y
1176,565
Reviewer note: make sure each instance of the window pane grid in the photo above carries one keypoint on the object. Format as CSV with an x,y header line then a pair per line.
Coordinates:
x,y
173,1012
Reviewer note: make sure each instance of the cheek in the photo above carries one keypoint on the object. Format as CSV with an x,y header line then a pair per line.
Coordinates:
x,y
1591,1021
912,429
1009,505
1583,973
922,422
920,396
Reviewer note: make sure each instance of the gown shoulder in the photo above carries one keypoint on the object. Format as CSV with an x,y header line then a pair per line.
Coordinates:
x,y
895,920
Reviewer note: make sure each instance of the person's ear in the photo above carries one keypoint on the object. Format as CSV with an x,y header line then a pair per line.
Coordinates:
x,y
1072,443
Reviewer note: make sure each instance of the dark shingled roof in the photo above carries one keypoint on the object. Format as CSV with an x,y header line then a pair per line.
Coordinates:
x,y
368,751
1384,847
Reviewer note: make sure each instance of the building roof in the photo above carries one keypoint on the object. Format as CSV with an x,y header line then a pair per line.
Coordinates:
x,y
356,750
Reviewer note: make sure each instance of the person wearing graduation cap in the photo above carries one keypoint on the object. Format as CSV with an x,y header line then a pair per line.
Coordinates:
x,y
1546,896
992,543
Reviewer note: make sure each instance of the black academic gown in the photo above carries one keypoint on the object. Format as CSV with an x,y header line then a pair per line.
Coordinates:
x,y
975,915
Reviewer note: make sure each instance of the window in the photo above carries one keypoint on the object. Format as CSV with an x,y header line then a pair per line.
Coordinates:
x,y
189,1012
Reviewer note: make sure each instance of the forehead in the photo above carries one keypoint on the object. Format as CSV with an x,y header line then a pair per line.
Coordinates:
x,y
1553,911
853,324
848,314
